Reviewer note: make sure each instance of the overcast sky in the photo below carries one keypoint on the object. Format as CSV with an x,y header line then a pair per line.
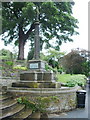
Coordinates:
x,y
80,12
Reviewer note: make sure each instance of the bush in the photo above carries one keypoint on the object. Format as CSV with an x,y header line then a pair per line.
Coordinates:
x,y
86,68
76,80
70,83
6,54
49,68
9,63
19,68
60,70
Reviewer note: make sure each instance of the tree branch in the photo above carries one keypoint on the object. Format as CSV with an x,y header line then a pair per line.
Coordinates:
x,y
29,31
15,14
13,11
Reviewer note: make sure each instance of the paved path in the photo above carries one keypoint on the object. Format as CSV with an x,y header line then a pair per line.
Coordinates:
x,y
79,112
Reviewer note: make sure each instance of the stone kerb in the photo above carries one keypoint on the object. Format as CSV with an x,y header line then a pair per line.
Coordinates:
x,y
67,96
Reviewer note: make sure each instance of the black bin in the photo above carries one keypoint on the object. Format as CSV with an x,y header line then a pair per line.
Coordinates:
x,y
81,96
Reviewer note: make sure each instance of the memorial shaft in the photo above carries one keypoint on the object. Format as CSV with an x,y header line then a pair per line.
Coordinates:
x,y
37,41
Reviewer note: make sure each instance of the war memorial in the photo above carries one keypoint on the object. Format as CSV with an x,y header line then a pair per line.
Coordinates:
x,y
37,82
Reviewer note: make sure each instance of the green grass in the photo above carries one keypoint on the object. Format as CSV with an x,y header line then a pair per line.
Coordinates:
x,y
72,80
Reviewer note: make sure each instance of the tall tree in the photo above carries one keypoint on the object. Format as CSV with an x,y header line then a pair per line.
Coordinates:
x,y
56,21
53,57
73,62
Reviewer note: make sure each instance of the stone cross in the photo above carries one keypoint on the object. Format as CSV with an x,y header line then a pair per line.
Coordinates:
x,y
37,39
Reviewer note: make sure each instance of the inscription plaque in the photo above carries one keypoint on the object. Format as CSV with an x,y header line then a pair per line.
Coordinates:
x,y
42,65
33,65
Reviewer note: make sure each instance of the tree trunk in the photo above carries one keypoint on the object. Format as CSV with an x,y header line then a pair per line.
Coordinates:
x,y
22,39
21,43
21,49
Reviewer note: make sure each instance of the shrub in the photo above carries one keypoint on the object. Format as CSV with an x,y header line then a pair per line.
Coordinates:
x,y
49,68
19,68
9,63
76,80
60,71
71,83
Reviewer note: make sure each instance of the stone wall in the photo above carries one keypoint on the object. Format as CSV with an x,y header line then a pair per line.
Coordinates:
x,y
7,81
22,63
67,101
6,67
66,96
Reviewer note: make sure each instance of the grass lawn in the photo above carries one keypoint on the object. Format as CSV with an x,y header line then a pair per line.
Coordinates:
x,y
72,79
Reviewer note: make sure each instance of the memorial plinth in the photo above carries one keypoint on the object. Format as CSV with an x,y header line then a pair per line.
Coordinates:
x,y
36,65
37,76
42,76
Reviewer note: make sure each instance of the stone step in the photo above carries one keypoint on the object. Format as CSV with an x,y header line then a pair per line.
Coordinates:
x,y
3,88
40,89
52,89
36,81
12,111
3,93
42,92
23,114
35,115
9,108
34,84
44,116
7,104
4,97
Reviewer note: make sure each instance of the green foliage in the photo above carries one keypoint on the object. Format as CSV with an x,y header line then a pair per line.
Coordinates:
x,y
72,80
0,67
60,70
40,104
86,68
6,67
3,57
76,81
49,68
9,63
12,68
55,18
72,62
54,54
28,103
52,59
5,54
20,68
30,54
70,83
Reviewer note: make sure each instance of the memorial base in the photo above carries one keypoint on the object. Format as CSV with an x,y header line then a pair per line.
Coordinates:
x,y
39,76
27,84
